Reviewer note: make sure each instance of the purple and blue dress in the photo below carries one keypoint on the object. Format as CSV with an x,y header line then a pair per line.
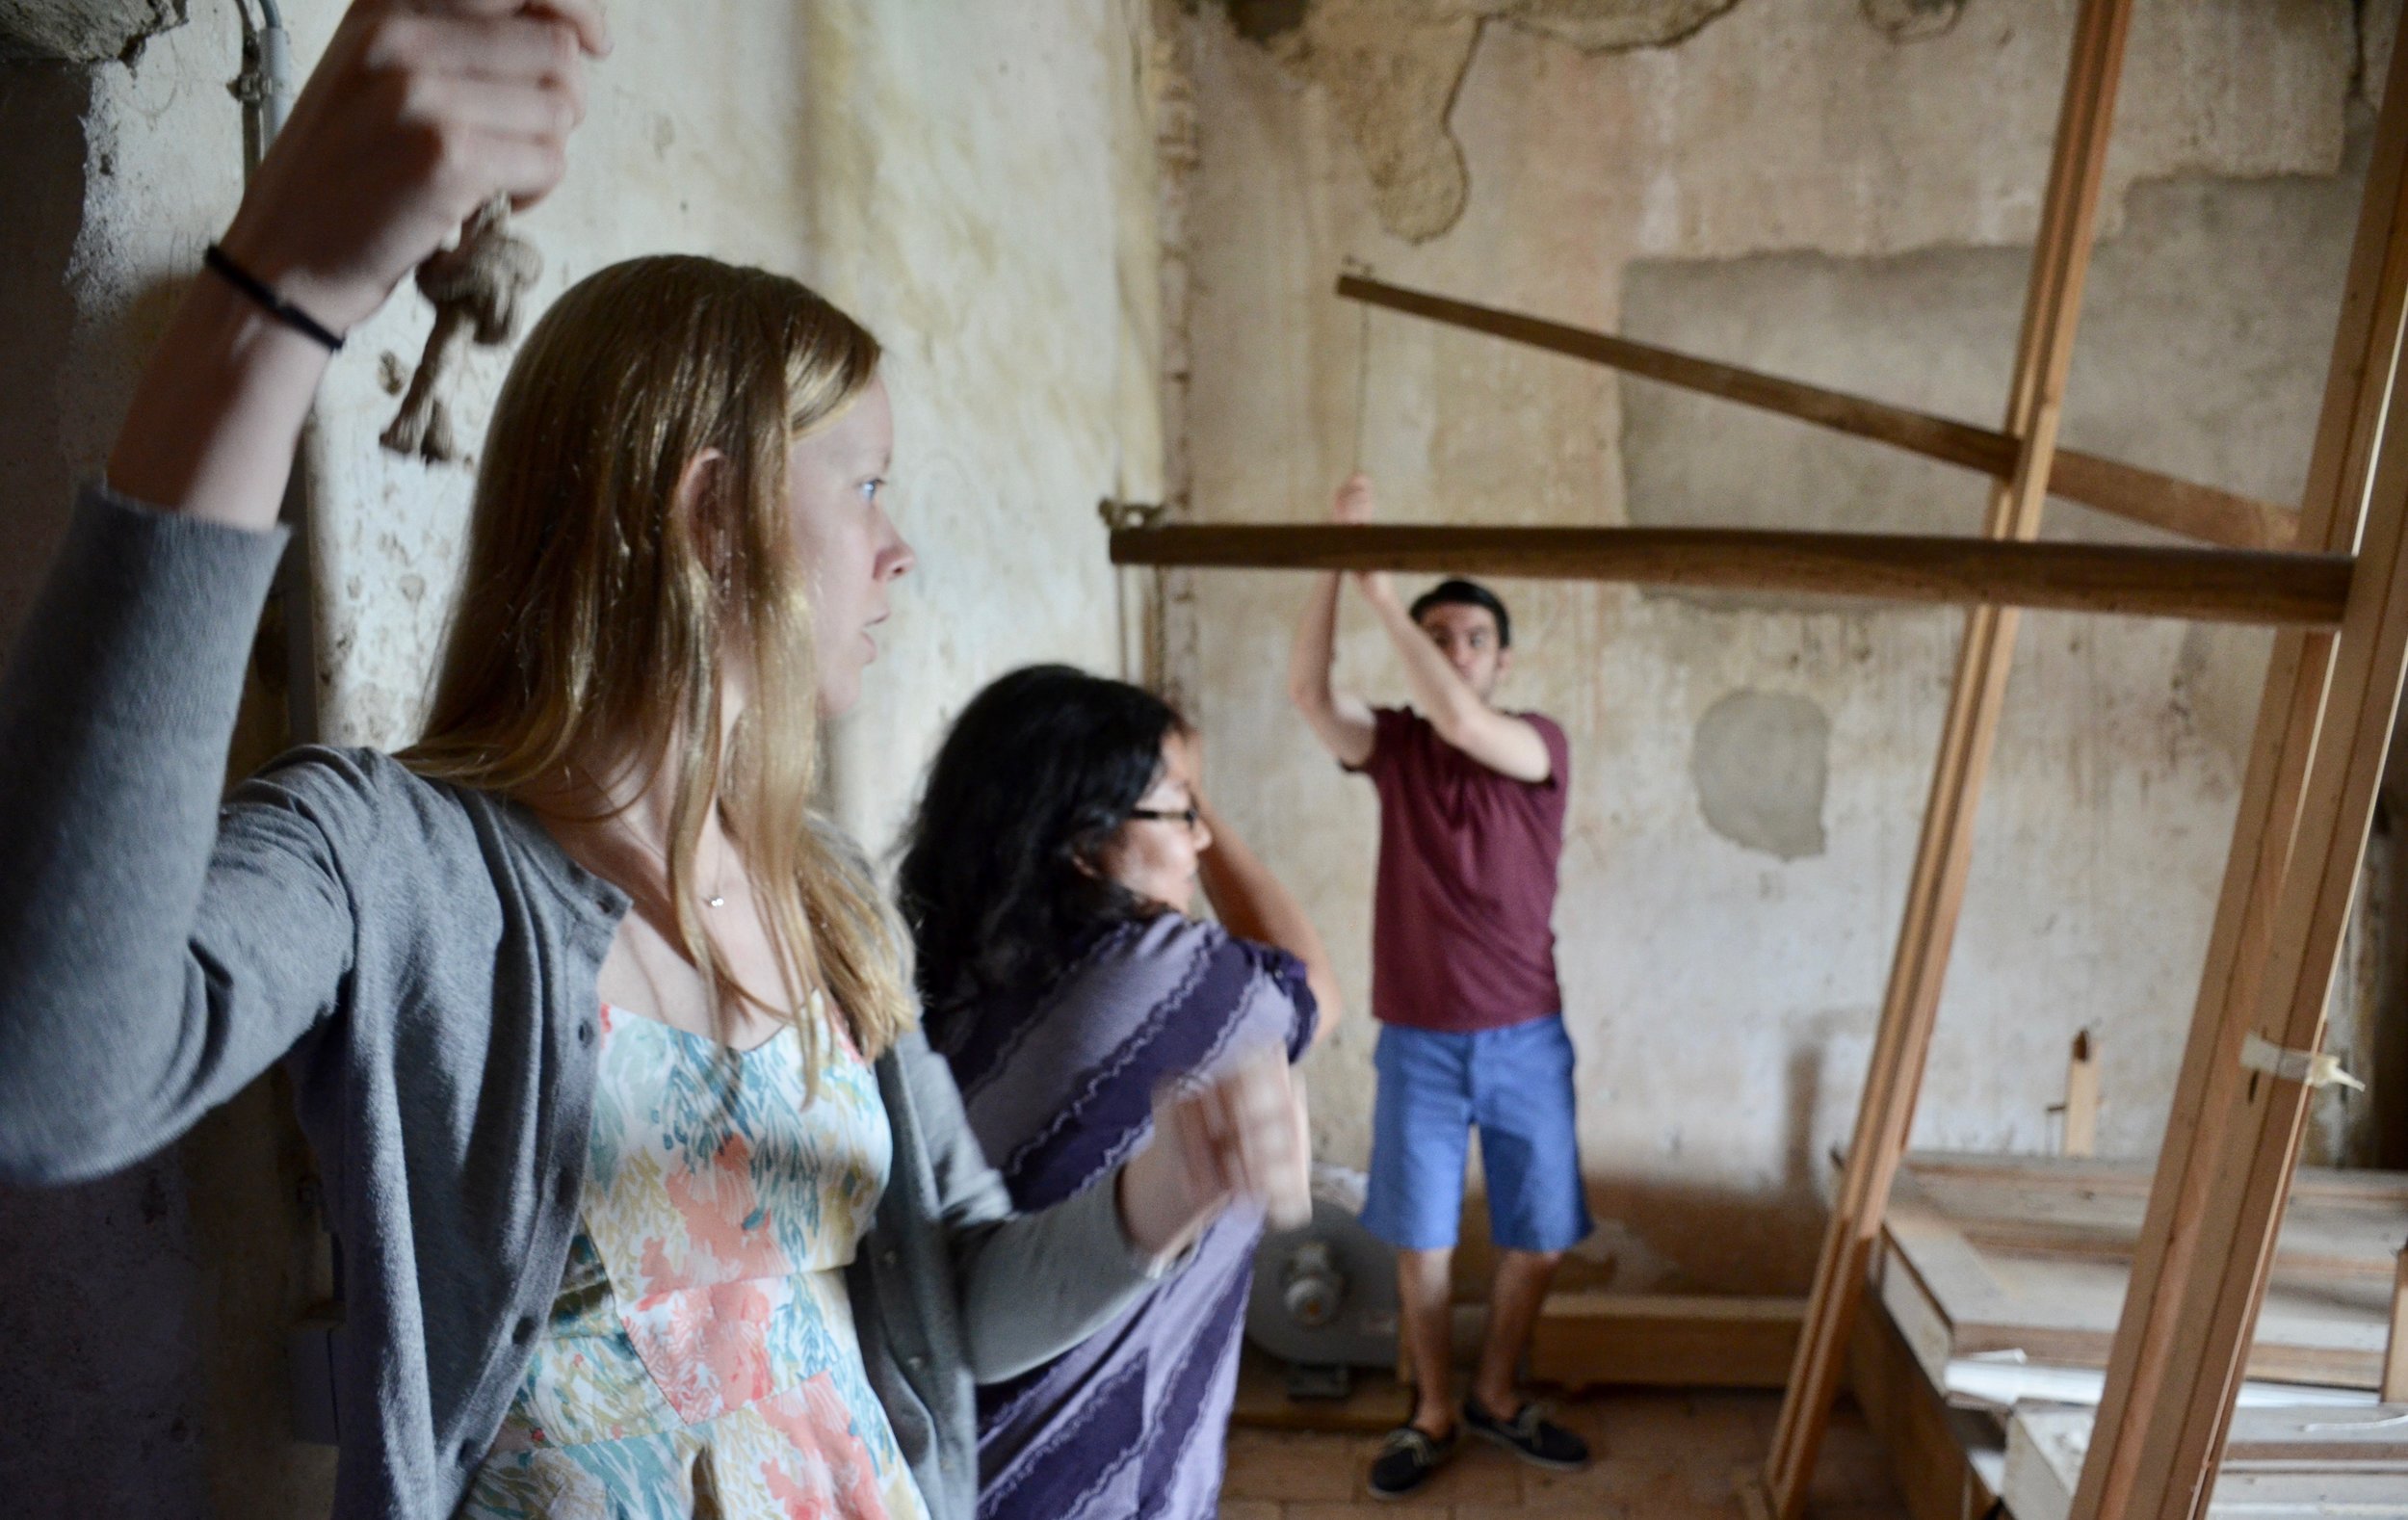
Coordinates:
x,y
1060,1088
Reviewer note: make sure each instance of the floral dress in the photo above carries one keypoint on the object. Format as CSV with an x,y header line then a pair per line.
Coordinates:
x,y
700,1358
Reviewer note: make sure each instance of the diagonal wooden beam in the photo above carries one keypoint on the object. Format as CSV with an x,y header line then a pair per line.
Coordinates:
x,y
2322,726
2209,585
2126,490
1902,1042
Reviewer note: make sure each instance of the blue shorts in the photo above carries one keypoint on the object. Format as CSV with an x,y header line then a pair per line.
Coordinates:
x,y
1515,1084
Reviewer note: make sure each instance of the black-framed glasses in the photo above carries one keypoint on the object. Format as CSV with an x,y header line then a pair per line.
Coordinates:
x,y
1185,815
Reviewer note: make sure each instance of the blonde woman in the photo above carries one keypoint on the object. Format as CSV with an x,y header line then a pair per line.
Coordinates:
x,y
651,1199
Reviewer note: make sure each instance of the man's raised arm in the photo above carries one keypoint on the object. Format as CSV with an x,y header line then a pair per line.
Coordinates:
x,y
1506,745
1342,724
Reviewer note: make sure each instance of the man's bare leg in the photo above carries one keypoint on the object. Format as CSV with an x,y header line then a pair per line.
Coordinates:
x,y
1425,1319
1514,1297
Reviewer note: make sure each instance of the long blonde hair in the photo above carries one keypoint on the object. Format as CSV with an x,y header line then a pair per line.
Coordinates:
x,y
595,618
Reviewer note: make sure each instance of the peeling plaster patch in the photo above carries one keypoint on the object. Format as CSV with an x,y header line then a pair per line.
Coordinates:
x,y
1391,70
1392,67
83,31
1267,21
1603,26
1913,20
1762,762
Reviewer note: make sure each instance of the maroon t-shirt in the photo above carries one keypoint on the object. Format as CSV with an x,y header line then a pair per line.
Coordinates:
x,y
1461,930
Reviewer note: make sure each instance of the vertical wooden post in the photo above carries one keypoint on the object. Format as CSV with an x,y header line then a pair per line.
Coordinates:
x,y
2323,725
2061,259
2394,1388
2081,1100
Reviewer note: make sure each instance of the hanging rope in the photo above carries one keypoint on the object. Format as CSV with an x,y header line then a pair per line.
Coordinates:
x,y
475,287
1362,378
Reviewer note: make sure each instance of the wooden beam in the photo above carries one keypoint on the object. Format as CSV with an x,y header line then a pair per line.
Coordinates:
x,y
2323,724
1664,1341
2200,511
1902,1040
2211,585
2125,490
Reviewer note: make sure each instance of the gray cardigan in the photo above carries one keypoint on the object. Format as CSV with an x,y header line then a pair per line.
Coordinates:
x,y
423,958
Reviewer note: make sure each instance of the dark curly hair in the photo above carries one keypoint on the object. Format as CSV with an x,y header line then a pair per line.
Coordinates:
x,y
1037,773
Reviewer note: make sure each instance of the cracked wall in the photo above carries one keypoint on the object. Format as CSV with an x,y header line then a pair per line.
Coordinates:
x,y
83,31
1391,69
1796,186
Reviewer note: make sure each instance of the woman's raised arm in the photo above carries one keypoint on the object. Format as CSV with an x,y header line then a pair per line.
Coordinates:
x,y
154,954
416,115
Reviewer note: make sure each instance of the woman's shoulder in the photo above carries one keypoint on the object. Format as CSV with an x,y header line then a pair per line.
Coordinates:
x,y
377,817
355,792
1164,937
1181,948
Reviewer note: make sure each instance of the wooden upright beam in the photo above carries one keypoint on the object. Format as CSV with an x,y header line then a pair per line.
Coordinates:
x,y
2210,584
2043,353
2126,490
2323,724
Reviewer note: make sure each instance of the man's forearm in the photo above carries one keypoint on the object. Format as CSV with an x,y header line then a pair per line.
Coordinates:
x,y
1316,648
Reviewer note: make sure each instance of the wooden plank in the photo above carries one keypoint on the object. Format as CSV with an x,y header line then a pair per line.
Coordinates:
x,y
1927,1440
2394,1387
2034,1178
1902,1040
2231,1136
2080,1135
2303,1438
2210,584
2124,491
1954,1295
1377,1404
2341,1226
2043,1453
2279,1464
1587,1339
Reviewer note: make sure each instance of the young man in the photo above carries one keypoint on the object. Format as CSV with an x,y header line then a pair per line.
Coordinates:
x,y
1463,982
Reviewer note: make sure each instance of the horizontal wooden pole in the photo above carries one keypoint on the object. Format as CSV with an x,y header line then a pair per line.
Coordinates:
x,y
2233,585
2125,490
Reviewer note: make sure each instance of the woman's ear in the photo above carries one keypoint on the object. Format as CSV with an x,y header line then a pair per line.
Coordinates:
x,y
698,485
1087,855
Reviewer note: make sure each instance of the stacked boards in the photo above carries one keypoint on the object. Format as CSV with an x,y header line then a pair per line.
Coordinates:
x,y
2001,1280
2001,1258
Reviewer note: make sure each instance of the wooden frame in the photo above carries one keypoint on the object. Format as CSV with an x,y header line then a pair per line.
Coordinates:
x,y
2209,585
1943,855
2217,1198
2324,725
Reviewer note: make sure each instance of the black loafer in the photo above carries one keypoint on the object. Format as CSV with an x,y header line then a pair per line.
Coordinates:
x,y
1529,1435
1406,1459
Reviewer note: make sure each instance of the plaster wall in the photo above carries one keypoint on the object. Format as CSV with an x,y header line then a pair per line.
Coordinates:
x,y
976,183
1749,778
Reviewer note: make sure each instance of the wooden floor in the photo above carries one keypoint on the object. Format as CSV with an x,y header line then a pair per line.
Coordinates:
x,y
1663,1457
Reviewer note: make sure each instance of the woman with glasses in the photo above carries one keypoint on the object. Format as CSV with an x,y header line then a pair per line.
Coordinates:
x,y
1048,881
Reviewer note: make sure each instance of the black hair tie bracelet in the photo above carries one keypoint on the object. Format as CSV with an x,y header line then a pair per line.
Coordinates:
x,y
276,306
